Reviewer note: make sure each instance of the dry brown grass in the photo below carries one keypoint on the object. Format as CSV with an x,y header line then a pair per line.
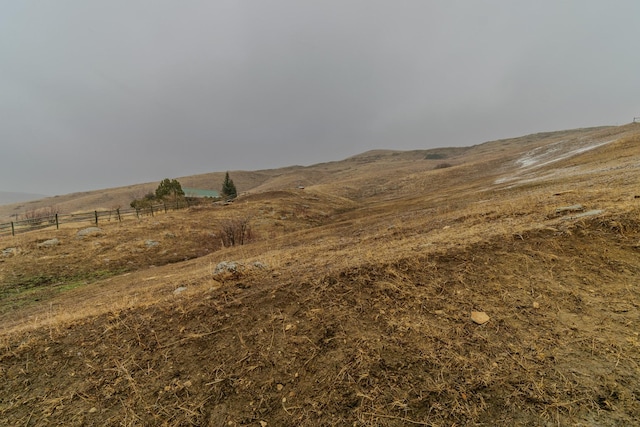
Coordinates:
x,y
351,305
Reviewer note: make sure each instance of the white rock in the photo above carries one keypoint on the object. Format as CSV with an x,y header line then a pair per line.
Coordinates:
x,y
90,231
151,243
49,243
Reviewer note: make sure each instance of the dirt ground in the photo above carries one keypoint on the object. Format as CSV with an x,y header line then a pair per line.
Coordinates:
x,y
339,313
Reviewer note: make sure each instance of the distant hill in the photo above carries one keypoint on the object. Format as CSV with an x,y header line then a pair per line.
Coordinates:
x,y
376,173
7,197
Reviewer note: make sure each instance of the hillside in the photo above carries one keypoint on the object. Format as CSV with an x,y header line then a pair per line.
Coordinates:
x,y
359,176
351,302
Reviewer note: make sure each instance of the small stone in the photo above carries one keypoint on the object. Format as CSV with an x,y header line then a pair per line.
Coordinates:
x,y
536,304
179,290
439,312
288,327
279,387
49,243
479,317
93,410
263,424
151,243
226,267
9,252
90,231
572,208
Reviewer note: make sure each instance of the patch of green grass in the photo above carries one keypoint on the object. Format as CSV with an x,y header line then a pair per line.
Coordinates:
x,y
35,289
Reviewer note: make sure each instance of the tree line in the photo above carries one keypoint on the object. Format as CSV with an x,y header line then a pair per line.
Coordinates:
x,y
170,191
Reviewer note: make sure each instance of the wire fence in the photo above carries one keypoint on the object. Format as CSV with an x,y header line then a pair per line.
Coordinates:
x,y
37,220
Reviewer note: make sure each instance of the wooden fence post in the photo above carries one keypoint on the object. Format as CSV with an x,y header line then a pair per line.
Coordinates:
x,y
137,213
96,213
151,207
57,224
13,231
165,206
118,212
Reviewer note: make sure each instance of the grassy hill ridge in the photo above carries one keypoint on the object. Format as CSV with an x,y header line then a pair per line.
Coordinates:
x,y
367,172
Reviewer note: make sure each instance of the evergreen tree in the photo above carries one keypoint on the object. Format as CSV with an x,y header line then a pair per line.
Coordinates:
x,y
228,188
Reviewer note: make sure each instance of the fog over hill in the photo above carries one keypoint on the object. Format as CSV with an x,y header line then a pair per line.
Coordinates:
x,y
8,197
103,94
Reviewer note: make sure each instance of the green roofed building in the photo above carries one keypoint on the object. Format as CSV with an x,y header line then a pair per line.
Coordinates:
x,y
196,192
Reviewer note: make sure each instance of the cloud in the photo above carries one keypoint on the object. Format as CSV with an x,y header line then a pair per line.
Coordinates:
x,y
99,94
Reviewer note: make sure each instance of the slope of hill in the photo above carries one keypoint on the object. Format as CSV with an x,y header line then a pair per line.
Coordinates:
x,y
352,301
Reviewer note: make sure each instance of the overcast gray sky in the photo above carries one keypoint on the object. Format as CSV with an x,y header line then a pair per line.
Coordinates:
x,y
98,94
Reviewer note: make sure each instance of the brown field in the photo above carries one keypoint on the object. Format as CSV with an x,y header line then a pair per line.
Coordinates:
x,y
351,303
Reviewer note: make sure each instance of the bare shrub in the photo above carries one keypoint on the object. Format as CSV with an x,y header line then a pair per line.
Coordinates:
x,y
38,216
236,231
443,165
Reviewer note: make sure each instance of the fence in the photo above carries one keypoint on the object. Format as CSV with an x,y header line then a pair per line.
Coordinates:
x,y
45,220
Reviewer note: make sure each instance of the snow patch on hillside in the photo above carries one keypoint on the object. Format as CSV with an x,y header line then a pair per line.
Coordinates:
x,y
549,154
542,156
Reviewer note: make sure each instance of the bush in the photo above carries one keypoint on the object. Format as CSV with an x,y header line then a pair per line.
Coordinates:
x,y
235,232
38,216
443,165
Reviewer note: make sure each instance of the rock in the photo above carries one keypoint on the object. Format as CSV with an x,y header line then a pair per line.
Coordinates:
x,y
90,231
279,387
151,243
439,312
49,243
479,317
536,304
259,265
10,252
263,424
572,208
226,267
93,409
589,213
179,290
